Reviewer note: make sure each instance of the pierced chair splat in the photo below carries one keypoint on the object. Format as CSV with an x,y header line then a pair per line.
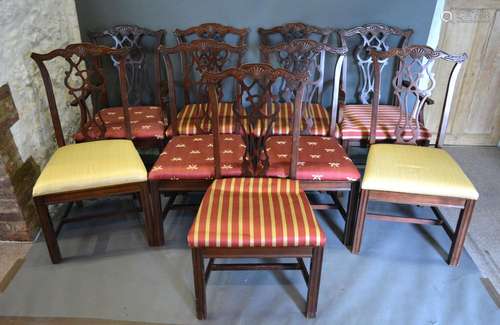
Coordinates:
x,y
355,113
105,167
408,174
253,216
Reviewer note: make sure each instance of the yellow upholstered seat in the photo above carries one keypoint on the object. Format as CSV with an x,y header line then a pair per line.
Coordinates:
x,y
416,170
91,165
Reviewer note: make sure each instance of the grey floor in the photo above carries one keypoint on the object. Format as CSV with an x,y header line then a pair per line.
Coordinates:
x,y
110,273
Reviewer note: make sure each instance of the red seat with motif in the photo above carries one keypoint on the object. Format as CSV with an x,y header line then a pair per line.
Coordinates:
x,y
146,122
191,157
255,212
320,159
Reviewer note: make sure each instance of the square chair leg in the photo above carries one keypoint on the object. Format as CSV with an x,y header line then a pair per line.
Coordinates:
x,y
460,233
314,280
199,284
48,231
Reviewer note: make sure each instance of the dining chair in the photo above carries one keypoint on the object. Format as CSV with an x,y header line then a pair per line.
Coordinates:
x,y
408,174
93,169
355,113
323,164
195,58
147,117
255,217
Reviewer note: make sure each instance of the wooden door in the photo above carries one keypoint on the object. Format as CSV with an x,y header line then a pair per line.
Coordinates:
x,y
471,26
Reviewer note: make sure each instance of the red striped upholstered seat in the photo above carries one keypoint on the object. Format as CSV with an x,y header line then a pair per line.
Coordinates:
x,y
146,122
320,159
356,121
255,212
316,113
191,157
188,120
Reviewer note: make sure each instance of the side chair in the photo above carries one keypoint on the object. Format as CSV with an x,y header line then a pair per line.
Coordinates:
x,y
323,164
93,169
196,57
254,216
355,113
147,117
408,174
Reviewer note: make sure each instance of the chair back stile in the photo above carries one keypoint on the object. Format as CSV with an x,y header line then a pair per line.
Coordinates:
x,y
260,85
142,42
412,84
378,37
305,55
86,83
197,57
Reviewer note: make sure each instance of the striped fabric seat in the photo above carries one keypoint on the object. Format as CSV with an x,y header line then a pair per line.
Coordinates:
x,y
188,120
314,114
255,212
356,121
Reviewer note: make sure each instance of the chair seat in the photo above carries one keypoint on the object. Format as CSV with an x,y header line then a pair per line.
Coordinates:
x,y
255,212
356,121
416,170
146,122
191,157
188,120
91,165
320,158
313,114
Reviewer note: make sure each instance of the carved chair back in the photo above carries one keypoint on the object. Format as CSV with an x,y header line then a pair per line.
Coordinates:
x,y
360,40
197,57
259,87
213,31
86,84
413,83
304,56
291,31
142,43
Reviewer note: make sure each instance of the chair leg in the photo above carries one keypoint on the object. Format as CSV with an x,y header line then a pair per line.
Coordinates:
x,y
152,198
460,233
314,281
352,207
48,231
199,284
360,222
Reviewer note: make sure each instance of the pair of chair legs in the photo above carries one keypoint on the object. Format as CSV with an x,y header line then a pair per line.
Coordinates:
x,y
50,232
311,277
457,236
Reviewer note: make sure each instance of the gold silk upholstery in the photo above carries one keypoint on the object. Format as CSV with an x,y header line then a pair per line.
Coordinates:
x,y
91,165
416,170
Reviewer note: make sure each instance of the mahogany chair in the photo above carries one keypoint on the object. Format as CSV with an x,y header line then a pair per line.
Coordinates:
x,y
147,117
323,163
253,216
408,174
197,57
355,117
92,169
304,55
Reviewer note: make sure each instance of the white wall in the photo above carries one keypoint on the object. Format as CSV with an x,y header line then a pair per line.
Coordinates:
x,y
35,26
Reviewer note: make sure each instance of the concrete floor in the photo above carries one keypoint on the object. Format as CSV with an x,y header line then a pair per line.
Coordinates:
x,y
110,273
399,278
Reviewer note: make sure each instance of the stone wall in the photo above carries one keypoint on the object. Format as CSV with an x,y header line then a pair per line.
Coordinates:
x,y
26,133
